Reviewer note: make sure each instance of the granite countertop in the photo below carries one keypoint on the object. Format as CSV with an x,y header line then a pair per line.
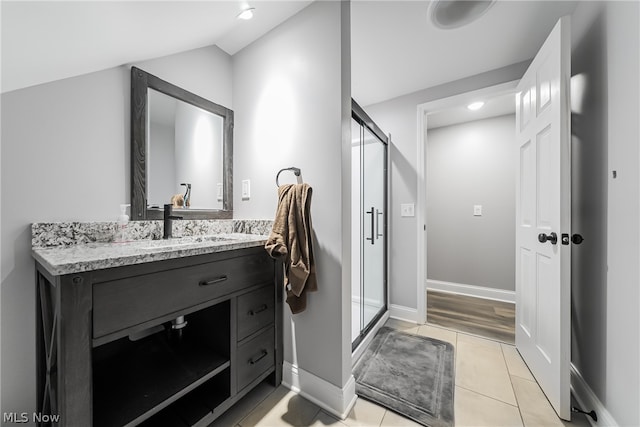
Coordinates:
x,y
59,260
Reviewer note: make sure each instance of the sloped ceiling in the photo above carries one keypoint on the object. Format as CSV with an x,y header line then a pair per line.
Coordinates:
x,y
395,50
43,41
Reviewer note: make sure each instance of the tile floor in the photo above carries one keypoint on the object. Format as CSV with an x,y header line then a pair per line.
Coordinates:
x,y
493,388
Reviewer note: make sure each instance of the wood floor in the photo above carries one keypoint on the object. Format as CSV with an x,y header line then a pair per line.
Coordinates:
x,y
487,318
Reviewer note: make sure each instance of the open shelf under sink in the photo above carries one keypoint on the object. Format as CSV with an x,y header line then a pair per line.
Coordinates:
x,y
133,380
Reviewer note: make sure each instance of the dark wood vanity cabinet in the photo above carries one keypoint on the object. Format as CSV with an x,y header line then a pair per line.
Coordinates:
x,y
114,348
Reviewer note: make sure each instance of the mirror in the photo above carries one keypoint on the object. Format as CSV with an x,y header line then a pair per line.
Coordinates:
x,y
182,147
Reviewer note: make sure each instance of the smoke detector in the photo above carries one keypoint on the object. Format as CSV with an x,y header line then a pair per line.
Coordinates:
x,y
448,14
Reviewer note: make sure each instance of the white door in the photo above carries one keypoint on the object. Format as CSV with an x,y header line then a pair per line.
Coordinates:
x,y
543,210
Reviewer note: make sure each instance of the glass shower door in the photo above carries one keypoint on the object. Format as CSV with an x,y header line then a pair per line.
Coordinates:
x,y
369,241
373,206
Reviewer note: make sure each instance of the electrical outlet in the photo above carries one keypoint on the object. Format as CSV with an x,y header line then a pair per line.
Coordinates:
x,y
246,189
407,209
477,210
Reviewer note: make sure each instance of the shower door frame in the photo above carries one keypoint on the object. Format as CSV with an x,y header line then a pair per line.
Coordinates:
x,y
360,116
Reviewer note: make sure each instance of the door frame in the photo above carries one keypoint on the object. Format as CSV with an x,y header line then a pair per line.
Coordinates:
x,y
423,110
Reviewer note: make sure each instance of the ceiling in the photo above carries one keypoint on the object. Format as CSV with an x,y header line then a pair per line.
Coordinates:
x,y
43,41
395,50
493,107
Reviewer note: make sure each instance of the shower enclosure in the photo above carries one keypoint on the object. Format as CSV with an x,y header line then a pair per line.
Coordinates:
x,y
369,224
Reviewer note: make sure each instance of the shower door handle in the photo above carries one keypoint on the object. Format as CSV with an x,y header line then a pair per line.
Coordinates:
x,y
371,212
378,234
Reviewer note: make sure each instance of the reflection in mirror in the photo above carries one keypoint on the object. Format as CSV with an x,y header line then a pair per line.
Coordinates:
x,y
184,149
181,151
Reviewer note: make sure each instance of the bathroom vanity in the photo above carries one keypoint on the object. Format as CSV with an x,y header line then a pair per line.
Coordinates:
x,y
155,332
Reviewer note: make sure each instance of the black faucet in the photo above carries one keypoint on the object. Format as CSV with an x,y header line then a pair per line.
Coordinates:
x,y
168,221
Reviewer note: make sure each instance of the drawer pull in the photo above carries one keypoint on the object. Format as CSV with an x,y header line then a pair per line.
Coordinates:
x,y
213,281
260,309
257,359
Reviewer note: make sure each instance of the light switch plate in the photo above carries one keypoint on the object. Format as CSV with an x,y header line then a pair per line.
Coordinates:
x,y
477,210
407,209
246,189
219,192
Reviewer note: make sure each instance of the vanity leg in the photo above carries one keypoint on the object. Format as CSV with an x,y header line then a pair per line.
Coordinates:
x,y
43,334
74,350
279,291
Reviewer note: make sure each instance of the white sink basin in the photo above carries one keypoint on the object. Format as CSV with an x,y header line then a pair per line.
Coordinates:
x,y
176,242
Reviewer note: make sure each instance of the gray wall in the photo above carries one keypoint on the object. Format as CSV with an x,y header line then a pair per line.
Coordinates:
x,y
398,116
290,114
65,157
161,166
605,268
472,164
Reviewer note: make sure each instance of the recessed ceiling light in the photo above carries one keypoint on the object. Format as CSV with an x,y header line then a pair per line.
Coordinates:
x,y
247,13
448,14
475,105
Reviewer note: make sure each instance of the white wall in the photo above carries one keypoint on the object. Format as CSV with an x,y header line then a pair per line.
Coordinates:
x,y
289,101
65,157
605,269
623,291
398,117
472,164
161,163
198,146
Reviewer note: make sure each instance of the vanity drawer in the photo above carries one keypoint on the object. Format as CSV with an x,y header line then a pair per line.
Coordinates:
x,y
255,311
255,357
122,303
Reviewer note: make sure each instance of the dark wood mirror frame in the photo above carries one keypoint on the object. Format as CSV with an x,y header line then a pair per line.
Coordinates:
x,y
141,81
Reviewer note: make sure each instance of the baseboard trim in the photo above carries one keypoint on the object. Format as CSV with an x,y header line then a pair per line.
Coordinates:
x,y
401,312
588,400
472,290
335,400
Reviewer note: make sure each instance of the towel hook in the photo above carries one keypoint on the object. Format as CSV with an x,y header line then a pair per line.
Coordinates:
x,y
296,172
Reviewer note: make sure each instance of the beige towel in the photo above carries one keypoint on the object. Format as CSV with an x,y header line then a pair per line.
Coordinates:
x,y
290,240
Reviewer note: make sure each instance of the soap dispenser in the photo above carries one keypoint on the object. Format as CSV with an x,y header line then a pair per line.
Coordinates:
x,y
123,222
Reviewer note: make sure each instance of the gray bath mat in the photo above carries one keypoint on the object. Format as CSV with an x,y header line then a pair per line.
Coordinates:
x,y
409,374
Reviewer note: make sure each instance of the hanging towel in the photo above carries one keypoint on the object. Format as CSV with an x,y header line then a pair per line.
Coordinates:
x,y
290,241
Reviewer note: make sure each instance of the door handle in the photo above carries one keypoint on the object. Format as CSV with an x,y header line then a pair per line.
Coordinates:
x,y
378,234
553,238
371,212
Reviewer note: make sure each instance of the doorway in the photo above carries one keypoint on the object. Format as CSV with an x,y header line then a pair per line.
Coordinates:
x,y
369,224
470,217
424,110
